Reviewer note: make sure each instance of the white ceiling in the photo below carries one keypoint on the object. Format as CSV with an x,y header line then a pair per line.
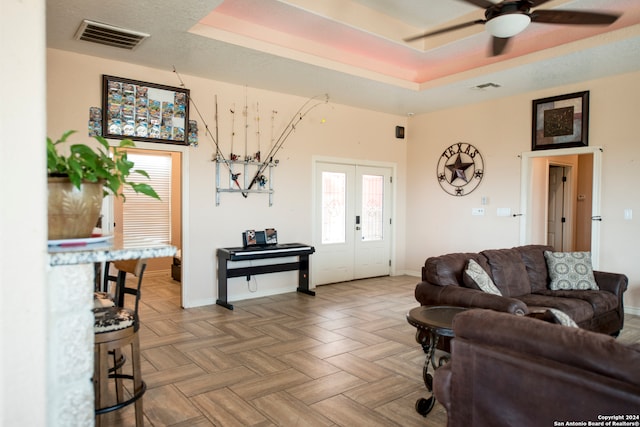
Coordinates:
x,y
353,49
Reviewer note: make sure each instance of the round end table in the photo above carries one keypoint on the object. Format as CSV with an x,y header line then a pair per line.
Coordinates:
x,y
431,323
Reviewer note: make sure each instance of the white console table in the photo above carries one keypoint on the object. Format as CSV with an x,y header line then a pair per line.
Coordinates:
x,y
70,323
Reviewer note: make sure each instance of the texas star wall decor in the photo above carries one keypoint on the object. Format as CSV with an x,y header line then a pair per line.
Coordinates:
x,y
460,169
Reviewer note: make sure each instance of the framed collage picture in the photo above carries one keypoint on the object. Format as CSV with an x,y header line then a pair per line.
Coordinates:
x,y
144,111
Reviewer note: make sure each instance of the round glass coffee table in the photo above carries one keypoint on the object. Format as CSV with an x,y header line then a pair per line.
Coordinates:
x,y
431,322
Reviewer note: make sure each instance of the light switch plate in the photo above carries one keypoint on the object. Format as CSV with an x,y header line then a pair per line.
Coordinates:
x,y
503,212
628,214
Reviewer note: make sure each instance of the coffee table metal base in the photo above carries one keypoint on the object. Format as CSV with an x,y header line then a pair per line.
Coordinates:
x,y
431,323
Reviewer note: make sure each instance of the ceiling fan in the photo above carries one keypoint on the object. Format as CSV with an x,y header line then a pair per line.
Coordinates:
x,y
510,17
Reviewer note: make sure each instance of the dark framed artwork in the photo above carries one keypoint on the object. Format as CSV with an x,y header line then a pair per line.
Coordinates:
x,y
561,121
144,111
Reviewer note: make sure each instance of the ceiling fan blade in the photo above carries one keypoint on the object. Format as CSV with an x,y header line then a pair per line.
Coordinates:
x,y
536,3
498,45
445,30
573,17
485,4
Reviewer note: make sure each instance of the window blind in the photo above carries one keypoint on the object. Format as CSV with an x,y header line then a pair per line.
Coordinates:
x,y
143,216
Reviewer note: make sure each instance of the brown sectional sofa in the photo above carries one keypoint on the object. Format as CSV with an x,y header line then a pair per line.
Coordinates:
x,y
521,275
516,371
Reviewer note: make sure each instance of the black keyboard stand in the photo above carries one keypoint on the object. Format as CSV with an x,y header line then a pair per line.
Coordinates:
x,y
229,255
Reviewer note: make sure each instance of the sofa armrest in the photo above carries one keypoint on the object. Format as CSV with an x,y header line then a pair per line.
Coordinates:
x,y
583,374
442,386
429,294
550,342
613,282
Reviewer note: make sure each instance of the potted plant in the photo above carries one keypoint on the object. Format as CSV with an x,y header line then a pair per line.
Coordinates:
x,y
79,181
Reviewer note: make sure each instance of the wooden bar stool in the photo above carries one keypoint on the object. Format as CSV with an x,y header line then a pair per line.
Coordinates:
x,y
103,294
116,327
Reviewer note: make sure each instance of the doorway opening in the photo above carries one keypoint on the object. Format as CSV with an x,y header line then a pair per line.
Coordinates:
x,y
560,199
157,220
180,187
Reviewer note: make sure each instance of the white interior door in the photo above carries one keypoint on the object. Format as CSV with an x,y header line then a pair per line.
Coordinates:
x,y
352,227
556,216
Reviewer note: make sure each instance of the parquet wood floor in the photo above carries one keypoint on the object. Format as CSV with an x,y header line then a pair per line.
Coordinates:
x,y
346,357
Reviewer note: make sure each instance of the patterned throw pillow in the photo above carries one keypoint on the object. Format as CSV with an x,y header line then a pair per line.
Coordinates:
x,y
570,271
563,317
481,278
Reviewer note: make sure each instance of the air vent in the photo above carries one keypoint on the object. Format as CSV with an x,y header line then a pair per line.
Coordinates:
x,y
109,35
485,86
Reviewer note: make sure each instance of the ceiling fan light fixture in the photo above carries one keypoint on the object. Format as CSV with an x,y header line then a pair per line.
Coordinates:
x,y
505,26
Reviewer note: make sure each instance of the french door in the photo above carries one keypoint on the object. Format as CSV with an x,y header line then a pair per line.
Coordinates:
x,y
352,230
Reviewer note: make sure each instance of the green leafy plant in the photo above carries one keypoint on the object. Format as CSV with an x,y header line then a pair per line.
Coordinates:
x,y
85,163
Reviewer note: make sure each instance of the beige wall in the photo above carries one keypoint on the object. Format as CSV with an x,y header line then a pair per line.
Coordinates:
x,y
331,130
501,130
23,220
437,223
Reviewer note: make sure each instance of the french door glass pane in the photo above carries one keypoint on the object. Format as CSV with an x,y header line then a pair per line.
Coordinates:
x,y
372,214
334,194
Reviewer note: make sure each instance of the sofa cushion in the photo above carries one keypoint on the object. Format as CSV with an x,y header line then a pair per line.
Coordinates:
x,y
476,277
601,301
508,271
578,309
448,269
536,265
570,270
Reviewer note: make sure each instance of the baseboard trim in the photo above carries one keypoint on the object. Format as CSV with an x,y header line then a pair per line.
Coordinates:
x,y
200,303
156,273
409,273
632,310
